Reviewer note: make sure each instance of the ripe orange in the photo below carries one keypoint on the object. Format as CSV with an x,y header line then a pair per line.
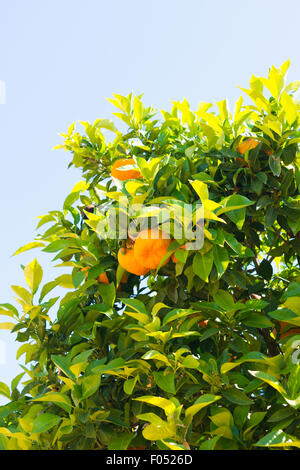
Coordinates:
x,y
103,279
247,144
125,169
203,323
150,247
128,261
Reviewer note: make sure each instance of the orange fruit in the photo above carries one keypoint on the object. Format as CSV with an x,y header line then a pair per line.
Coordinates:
x,y
203,323
150,247
123,169
103,279
128,261
247,144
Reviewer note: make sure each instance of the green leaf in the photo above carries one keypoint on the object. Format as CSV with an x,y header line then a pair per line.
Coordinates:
x,y
49,286
16,380
234,202
33,275
120,440
108,293
278,438
270,380
210,443
237,217
289,107
240,415
281,414
293,290
177,313
200,403
221,259
24,294
29,246
263,202
202,264
256,320
44,422
190,362
65,280
62,363
293,303
7,313
105,124
271,215
59,399
90,385
241,250
208,333
129,385
136,305
201,189
167,405
173,445
151,418
224,300
235,206
275,165
294,381
252,356
165,381
4,390
152,354
44,219
157,433
265,270
256,418
26,348
77,278
237,397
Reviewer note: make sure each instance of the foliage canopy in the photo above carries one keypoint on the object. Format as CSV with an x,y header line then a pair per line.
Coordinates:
x,y
197,354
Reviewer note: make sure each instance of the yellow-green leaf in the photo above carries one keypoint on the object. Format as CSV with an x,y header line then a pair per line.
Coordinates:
x,y
29,246
167,405
154,432
33,275
289,107
200,403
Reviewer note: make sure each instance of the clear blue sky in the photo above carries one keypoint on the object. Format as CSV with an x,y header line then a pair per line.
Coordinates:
x,y
60,60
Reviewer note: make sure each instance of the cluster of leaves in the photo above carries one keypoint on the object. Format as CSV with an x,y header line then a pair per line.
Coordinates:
x,y
190,356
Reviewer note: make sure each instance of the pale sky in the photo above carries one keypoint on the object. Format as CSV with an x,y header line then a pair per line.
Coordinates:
x,y
60,60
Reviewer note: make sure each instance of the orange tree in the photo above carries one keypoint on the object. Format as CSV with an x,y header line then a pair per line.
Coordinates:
x,y
156,345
